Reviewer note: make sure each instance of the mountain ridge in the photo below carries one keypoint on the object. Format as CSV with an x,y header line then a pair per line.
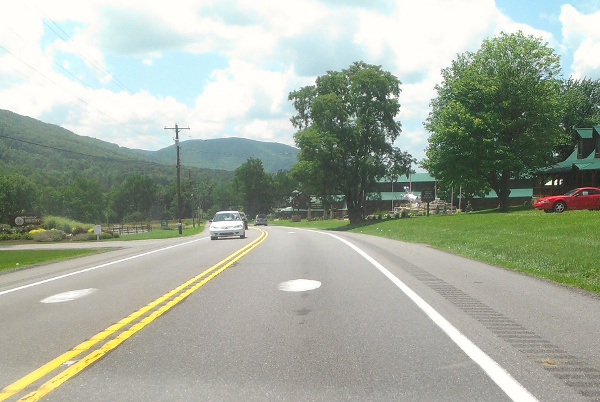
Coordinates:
x,y
25,135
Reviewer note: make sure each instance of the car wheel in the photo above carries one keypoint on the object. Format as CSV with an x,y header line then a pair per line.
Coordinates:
x,y
242,236
213,237
559,207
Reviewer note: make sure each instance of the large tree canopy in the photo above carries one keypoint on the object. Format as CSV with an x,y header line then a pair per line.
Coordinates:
x,y
581,108
346,126
253,187
496,115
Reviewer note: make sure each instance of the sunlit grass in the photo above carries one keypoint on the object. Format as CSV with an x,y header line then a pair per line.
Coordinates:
x,y
11,259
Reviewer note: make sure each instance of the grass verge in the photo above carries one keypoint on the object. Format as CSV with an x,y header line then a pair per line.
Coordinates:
x,y
11,259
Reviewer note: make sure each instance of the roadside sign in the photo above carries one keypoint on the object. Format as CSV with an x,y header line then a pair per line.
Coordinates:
x,y
428,195
97,231
25,219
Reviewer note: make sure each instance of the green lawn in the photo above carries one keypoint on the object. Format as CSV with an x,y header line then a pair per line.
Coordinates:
x,y
158,233
10,259
561,247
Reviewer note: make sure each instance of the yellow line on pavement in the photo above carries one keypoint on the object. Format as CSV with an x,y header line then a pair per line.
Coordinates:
x,y
53,383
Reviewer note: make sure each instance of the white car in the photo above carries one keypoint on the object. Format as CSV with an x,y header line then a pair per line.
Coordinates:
x,y
227,223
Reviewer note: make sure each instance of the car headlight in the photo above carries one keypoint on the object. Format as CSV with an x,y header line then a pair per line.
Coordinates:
x,y
238,226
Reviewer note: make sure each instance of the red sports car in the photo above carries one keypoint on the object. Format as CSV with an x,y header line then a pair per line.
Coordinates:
x,y
579,198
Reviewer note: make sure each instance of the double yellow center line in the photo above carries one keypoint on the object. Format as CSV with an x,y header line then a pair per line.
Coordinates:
x,y
147,314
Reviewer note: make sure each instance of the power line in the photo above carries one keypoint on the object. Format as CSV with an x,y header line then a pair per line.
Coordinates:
x,y
107,158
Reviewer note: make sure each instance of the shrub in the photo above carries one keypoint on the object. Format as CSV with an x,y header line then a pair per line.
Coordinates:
x,y
77,230
66,227
404,214
49,223
49,235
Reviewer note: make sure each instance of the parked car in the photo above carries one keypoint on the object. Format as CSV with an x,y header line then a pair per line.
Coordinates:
x,y
579,198
261,219
227,223
243,215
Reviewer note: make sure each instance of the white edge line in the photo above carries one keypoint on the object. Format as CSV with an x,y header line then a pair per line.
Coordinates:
x,y
97,267
499,375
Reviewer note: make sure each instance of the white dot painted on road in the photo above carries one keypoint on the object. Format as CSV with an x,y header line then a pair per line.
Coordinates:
x,y
68,296
299,285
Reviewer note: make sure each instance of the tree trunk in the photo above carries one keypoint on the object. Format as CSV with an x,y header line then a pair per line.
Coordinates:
x,y
355,213
504,193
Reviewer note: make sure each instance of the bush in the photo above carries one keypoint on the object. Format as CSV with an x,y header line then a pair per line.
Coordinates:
x,y
66,227
49,235
79,230
10,236
49,223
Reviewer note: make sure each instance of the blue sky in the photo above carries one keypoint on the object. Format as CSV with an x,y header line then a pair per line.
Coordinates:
x,y
122,70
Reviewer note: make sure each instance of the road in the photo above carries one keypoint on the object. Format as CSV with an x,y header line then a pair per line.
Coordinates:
x,y
295,315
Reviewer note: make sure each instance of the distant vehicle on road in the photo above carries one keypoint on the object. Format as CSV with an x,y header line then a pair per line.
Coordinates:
x,y
226,224
579,198
261,219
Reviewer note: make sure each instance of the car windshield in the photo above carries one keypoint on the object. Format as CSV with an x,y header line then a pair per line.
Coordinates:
x,y
227,217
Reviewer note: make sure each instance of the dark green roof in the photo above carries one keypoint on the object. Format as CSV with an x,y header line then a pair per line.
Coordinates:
x,y
585,132
414,178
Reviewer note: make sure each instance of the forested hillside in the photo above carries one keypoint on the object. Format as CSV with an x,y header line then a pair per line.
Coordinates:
x,y
47,169
228,154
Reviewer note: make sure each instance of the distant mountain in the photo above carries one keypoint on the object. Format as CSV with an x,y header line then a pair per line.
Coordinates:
x,y
227,154
27,141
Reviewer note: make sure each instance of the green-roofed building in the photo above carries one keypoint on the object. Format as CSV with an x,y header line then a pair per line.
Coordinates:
x,y
581,168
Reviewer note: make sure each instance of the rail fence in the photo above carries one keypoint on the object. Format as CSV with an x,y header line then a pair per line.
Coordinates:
x,y
127,229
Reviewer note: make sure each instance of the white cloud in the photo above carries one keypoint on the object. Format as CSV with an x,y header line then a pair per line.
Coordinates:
x,y
271,48
581,35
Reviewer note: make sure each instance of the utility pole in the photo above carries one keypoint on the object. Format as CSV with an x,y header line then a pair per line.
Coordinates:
x,y
177,129
192,192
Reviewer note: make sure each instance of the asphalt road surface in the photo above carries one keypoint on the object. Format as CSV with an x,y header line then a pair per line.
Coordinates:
x,y
292,315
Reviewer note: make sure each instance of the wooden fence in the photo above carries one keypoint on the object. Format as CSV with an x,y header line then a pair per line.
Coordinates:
x,y
127,229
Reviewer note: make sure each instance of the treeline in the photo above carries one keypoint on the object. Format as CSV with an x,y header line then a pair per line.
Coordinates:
x,y
126,194
49,170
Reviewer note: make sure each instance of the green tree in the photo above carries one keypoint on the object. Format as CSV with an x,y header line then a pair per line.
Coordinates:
x,y
496,115
83,200
253,186
18,194
224,197
283,185
581,103
137,195
346,126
